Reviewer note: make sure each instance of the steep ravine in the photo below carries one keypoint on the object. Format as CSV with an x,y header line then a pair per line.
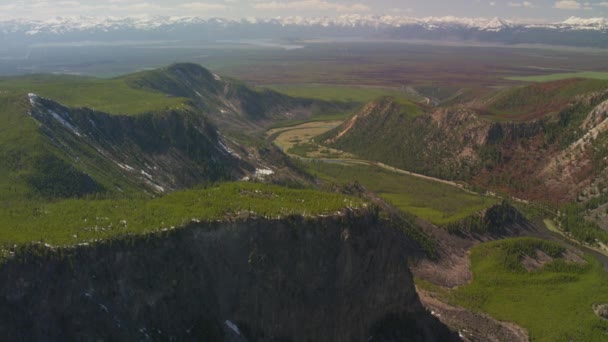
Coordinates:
x,y
340,278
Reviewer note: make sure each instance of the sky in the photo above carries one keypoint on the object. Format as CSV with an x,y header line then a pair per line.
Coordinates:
x,y
532,10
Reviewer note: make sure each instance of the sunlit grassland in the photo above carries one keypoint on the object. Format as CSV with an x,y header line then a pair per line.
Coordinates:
x,y
561,76
67,222
553,303
345,93
436,202
298,140
107,95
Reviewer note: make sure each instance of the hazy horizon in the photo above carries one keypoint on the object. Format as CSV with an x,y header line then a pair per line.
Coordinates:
x,y
533,11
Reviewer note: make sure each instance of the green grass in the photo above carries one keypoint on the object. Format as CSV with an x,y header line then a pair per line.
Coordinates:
x,y
314,118
72,221
113,96
561,76
540,99
554,303
342,93
20,145
438,203
551,226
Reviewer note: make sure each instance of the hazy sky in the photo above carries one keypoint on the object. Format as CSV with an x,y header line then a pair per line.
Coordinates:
x,y
543,10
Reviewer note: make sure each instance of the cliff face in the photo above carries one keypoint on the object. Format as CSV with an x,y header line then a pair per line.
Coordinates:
x,y
342,278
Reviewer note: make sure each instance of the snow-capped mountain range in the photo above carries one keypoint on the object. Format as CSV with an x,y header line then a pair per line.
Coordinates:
x,y
567,32
62,25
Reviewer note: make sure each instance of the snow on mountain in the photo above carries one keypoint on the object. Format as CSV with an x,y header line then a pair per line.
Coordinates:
x,y
577,23
63,25
356,20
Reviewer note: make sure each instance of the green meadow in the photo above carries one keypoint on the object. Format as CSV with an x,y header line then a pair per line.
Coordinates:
x,y
554,303
436,202
107,95
66,222
343,93
561,76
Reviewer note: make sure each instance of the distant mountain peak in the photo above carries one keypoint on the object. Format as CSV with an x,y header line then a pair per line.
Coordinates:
x,y
586,23
495,24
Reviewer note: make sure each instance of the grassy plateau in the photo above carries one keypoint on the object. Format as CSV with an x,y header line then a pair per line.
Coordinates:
x,y
113,96
66,222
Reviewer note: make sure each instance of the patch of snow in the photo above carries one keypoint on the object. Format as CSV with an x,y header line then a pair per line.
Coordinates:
x,y
34,102
233,327
216,77
63,122
263,172
259,174
33,98
197,93
125,167
156,187
228,149
149,176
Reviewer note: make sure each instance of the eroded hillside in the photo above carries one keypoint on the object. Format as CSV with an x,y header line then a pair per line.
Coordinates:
x,y
547,145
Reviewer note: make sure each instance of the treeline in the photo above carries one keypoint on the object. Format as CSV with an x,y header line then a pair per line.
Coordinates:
x,y
493,220
572,220
515,249
52,177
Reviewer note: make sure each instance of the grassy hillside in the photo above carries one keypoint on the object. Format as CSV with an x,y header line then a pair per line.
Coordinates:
x,y
52,151
33,165
66,222
554,302
159,132
19,145
388,132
